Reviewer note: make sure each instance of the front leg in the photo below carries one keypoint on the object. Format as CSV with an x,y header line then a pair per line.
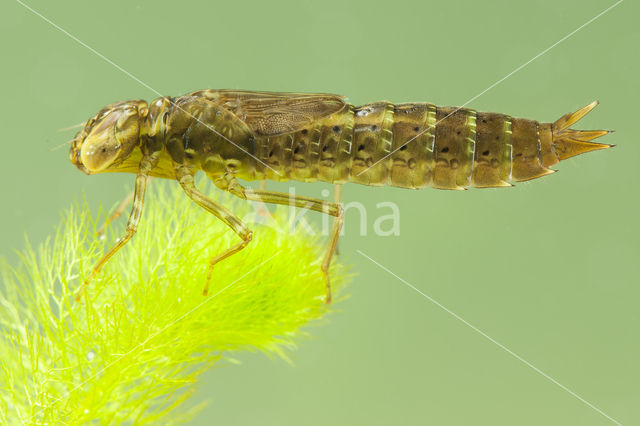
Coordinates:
x,y
146,164
185,178
118,211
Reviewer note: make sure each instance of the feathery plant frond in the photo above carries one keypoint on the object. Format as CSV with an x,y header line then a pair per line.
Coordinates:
x,y
134,348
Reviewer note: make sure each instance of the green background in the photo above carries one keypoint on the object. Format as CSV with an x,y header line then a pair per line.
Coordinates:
x,y
548,268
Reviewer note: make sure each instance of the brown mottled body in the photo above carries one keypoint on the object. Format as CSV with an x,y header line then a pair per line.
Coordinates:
x,y
412,145
233,135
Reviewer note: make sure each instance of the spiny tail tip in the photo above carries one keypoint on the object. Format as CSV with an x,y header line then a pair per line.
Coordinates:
x,y
569,142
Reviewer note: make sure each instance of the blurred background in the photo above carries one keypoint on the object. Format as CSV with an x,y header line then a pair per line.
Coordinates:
x,y
548,268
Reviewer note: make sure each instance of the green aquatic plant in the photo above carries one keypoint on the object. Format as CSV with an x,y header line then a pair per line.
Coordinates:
x,y
134,348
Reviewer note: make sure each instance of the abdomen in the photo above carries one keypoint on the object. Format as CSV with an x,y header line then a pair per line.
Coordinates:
x,y
416,145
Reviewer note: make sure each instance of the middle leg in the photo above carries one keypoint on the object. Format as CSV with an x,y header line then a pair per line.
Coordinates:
x,y
185,178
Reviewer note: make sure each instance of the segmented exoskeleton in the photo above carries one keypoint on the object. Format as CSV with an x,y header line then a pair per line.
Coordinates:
x,y
233,135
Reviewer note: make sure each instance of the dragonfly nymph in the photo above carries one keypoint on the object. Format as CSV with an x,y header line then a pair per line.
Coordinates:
x,y
232,135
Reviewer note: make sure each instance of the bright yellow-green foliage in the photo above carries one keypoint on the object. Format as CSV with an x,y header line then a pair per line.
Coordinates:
x,y
134,352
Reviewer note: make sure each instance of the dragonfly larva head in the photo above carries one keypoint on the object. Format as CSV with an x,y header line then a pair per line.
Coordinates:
x,y
109,137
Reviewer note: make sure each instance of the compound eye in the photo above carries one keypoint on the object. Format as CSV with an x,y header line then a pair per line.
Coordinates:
x,y
100,147
98,155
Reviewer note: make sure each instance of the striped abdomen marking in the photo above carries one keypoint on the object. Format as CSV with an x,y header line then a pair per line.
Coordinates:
x,y
274,152
335,147
319,151
527,151
411,164
292,155
454,148
492,167
415,145
372,141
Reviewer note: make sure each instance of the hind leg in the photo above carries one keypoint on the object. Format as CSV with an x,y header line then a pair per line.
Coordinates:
x,y
337,199
327,207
